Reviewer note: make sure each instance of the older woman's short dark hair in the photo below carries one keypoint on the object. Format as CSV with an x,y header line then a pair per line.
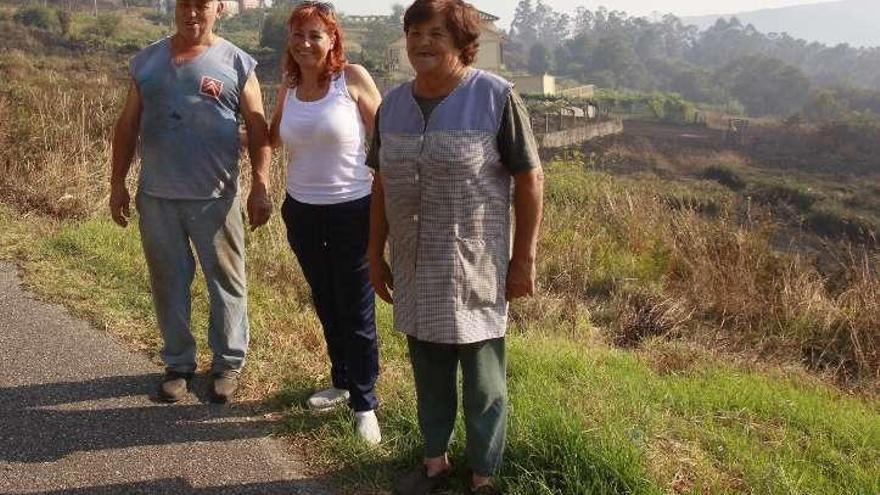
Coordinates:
x,y
462,21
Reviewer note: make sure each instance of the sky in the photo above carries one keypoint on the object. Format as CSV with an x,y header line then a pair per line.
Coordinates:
x,y
505,8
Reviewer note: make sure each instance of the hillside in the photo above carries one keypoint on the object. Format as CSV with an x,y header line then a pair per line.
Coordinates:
x,y
848,21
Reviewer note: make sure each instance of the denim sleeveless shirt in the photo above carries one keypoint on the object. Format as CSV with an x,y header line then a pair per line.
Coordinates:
x,y
189,144
447,200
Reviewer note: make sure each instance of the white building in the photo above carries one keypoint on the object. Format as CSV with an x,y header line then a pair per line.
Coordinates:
x,y
534,85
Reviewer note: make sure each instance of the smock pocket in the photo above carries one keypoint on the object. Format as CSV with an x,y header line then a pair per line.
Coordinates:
x,y
477,273
455,159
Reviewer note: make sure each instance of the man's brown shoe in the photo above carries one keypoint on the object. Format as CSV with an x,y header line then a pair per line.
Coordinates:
x,y
417,482
484,490
222,387
174,386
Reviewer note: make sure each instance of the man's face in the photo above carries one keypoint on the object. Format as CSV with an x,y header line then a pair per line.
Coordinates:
x,y
195,18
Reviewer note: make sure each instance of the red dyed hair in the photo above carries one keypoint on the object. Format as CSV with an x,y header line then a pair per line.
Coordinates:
x,y
335,57
461,18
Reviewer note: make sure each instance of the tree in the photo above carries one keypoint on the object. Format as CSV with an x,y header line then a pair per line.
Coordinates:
x,y
725,42
397,12
825,105
523,27
539,60
274,32
766,85
515,55
551,26
378,35
615,54
608,47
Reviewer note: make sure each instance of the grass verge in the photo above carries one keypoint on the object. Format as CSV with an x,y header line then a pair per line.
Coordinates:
x,y
586,418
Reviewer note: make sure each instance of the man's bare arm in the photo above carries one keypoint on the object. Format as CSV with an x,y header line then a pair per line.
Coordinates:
x,y
125,136
259,207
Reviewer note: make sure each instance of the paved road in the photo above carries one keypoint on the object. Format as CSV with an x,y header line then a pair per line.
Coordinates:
x,y
76,418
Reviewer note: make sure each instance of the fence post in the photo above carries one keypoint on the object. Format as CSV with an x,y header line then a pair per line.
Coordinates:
x,y
546,123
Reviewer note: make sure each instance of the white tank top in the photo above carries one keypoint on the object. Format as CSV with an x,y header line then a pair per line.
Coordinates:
x,y
325,140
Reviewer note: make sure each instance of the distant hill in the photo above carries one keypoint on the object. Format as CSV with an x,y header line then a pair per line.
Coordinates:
x,y
856,22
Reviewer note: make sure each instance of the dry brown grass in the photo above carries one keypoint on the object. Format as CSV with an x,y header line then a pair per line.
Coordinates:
x,y
646,268
848,340
58,128
643,315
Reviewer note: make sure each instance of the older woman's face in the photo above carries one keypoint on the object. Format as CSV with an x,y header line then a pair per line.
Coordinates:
x,y
309,43
431,47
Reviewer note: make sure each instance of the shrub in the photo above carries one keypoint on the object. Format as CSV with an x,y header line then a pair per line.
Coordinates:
x,y
105,26
706,205
834,223
64,19
160,18
782,193
642,314
725,176
38,17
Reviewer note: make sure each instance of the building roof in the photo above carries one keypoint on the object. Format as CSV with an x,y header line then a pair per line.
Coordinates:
x,y
365,18
488,17
485,16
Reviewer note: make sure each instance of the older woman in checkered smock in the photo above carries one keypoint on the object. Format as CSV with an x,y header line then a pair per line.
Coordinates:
x,y
449,148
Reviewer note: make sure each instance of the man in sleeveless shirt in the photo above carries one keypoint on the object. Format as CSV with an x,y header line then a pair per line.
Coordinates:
x,y
181,114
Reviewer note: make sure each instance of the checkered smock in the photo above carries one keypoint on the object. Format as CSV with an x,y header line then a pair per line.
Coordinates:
x,y
447,199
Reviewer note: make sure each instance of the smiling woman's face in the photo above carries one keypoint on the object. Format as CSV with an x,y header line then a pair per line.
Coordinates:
x,y
431,48
309,43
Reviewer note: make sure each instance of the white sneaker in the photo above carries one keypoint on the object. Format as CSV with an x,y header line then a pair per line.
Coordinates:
x,y
367,427
325,400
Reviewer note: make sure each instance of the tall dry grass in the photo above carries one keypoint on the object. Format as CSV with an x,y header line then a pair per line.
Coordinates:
x,y
58,114
644,266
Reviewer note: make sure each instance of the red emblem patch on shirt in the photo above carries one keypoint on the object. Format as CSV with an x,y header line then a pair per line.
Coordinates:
x,y
211,87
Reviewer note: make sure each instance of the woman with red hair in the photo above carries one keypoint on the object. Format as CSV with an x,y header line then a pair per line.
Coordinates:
x,y
325,110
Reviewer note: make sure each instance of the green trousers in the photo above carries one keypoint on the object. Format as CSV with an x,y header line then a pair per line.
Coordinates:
x,y
484,396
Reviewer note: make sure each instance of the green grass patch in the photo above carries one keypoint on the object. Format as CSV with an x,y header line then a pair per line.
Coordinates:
x,y
590,420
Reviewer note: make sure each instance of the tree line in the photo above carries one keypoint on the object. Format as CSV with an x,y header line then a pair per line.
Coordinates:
x,y
728,63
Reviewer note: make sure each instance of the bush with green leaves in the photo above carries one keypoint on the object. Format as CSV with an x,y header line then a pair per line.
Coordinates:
x,y
64,21
38,17
669,107
105,26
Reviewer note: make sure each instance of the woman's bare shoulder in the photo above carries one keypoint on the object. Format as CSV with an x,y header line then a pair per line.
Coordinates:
x,y
357,75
